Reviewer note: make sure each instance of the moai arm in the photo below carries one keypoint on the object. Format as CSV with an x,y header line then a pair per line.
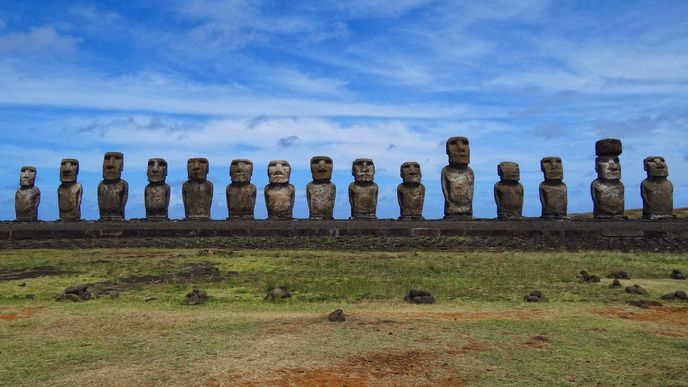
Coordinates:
x,y
125,196
79,193
308,198
351,196
399,197
497,197
101,195
645,192
445,190
292,196
167,196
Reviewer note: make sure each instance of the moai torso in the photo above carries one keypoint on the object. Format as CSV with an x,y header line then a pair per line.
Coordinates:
x,y
241,194
508,192
157,192
363,191
607,190
113,191
458,180
279,194
321,193
656,190
410,193
553,192
28,196
197,192
69,193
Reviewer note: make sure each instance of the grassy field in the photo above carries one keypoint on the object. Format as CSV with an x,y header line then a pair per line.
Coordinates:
x,y
480,332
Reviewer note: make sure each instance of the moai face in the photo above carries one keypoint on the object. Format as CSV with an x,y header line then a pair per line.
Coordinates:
x,y
197,169
363,170
608,167
279,172
458,150
321,168
69,169
655,166
113,164
410,172
157,170
508,171
241,171
552,168
27,176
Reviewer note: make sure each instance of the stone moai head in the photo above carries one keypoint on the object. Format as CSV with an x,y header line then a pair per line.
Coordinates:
x,y
655,166
608,167
458,150
508,171
69,169
157,170
113,165
27,176
279,172
552,168
197,169
241,170
410,172
321,168
363,170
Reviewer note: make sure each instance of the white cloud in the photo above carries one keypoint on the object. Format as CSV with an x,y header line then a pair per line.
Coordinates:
x,y
38,40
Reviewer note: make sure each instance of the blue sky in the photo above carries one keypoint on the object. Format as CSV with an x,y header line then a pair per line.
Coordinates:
x,y
389,80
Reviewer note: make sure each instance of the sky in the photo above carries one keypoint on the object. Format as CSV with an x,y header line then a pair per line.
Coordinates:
x,y
389,80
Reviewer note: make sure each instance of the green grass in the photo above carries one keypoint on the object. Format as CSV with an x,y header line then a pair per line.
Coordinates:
x,y
480,331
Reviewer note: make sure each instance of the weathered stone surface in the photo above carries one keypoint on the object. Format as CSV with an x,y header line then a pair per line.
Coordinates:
x,y
278,294
76,289
419,296
553,191
67,297
508,192
197,192
636,289
608,147
337,316
619,275
411,192
615,284
535,296
607,190
586,277
321,193
656,190
677,274
241,194
69,192
157,192
279,194
458,180
113,191
363,191
28,196
195,297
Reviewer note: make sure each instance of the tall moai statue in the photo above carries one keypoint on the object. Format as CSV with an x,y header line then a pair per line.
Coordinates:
x,y
157,192
508,192
279,194
113,191
321,193
28,196
657,191
197,192
69,192
411,192
607,190
241,194
553,191
363,191
458,180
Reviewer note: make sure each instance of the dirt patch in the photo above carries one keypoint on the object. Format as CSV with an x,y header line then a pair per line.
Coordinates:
x,y
677,316
34,272
19,315
535,342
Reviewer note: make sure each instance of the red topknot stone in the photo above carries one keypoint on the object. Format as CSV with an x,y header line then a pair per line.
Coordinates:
x,y
608,147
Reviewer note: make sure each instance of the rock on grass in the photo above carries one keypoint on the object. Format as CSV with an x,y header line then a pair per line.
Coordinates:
x,y
195,297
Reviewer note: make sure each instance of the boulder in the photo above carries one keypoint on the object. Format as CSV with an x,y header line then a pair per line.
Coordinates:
x,y
278,294
337,316
636,289
195,297
619,275
677,274
615,284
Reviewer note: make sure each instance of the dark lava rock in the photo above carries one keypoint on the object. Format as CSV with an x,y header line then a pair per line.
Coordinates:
x,y
588,278
677,274
31,296
636,289
645,304
423,300
419,296
22,284
619,275
67,297
680,294
195,297
278,294
337,316
419,293
85,295
148,299
615,284
537,293
535,296
668,296
76,289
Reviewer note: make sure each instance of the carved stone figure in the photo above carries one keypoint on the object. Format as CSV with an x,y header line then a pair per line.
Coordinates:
x,y
197,192
553,191
321,193
113,191
607,190
657,191
410,193
458,180
363,191
69,192
28,196
279,194
241,194
508,192
157,192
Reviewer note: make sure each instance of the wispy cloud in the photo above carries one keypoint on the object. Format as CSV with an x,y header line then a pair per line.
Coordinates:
x,y
43,39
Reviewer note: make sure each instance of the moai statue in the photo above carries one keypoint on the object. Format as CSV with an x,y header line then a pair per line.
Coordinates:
x,y
607,190
157,192
113,191
553,191
241,194
363,191
28,196
410,193
197,192
279,194
321,193
508,192
458,180
657,191
69,192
